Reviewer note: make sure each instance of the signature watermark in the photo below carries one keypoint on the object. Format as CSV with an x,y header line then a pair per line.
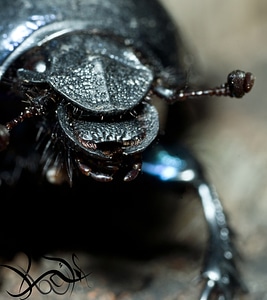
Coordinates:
x,y
59,279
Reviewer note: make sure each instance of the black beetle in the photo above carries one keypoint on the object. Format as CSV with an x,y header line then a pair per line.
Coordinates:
x,y
87,73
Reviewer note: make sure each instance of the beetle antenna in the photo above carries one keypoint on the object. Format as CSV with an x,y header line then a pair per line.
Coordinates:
x,y
238,83
28,112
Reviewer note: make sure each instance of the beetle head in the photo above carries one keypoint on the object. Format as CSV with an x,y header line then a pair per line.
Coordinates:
x,y
103,117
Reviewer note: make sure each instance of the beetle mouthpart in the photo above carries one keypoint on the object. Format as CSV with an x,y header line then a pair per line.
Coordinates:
x,y
107,169
86,170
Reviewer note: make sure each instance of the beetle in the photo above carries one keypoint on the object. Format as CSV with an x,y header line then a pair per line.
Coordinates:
x,y
87,73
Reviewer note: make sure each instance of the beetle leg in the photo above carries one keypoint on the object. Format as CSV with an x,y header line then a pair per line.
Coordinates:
x,y
29,112
219,267
4,137
219,271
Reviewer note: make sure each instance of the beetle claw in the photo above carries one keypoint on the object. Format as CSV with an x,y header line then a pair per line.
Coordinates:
x,y
220,288
207,290
131,175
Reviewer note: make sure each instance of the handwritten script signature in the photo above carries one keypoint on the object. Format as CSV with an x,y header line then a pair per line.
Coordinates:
x,y
54,280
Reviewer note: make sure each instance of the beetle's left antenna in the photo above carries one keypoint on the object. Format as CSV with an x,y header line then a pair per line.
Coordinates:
x,y
29,112
238,84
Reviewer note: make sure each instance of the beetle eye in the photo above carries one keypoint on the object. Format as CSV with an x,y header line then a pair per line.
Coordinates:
x,y
40,67
34,60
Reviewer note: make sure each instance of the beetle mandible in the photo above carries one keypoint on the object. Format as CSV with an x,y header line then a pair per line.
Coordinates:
x,y
88,84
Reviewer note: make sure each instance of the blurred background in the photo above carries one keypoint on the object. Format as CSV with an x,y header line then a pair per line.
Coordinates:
x,y
231,141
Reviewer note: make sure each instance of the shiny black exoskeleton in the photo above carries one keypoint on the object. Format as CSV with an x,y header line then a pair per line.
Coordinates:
x,y
86,73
